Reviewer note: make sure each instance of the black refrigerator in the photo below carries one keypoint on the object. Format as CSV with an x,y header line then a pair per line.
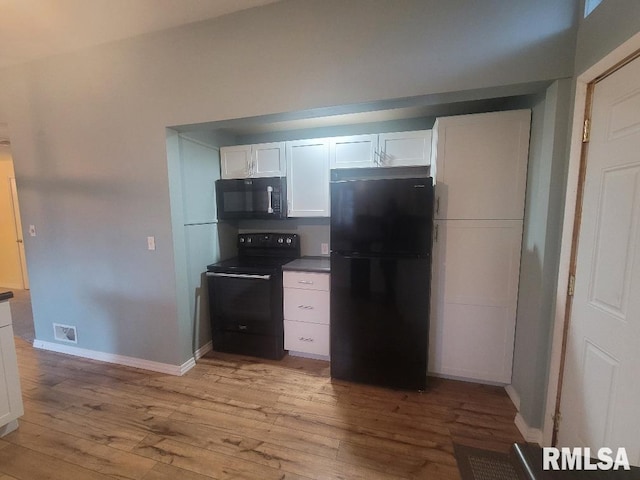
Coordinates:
x,y
381,238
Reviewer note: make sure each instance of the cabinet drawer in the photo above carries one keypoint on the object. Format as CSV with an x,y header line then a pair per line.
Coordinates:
x,y
306,280
306,337
306,305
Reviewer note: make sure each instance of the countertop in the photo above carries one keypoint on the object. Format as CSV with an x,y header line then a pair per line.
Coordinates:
x,y
309,264
5,295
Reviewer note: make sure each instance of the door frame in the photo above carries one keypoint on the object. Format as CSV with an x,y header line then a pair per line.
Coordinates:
x,y
573,205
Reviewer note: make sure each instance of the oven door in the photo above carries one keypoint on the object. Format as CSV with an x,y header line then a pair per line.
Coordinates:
x,y
244,303
248,198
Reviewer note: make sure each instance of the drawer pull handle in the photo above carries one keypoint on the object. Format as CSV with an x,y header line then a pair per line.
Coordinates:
x,y
305,282
242,327
303,339
305,307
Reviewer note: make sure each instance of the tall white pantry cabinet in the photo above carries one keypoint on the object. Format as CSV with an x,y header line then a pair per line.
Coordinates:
x,y
480,169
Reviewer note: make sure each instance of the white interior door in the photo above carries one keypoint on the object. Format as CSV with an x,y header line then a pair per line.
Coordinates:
x,y
601,380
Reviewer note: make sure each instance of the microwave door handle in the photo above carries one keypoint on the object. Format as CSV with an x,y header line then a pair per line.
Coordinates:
x,y
269,194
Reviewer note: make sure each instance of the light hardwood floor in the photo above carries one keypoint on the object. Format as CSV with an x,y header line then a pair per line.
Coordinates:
x,y
236,417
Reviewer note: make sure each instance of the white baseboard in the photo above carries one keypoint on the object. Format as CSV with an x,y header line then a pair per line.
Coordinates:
x,y
203,350
531,435
8,428
313,356
513,395
117,359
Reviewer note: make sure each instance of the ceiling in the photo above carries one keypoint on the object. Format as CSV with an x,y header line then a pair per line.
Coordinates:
x,y
33,29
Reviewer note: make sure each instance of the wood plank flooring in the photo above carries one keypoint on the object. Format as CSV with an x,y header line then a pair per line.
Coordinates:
x,y
235,417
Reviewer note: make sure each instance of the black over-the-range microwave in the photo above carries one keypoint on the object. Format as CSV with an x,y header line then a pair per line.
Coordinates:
x,y
245,198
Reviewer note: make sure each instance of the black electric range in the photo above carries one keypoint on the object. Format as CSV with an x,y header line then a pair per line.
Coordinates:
x,y
245,295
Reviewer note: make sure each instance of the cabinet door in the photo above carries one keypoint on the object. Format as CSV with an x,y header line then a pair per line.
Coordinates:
x,y
474,296
481,163
311,306
308,178
306,337
235,161
10,394
405,149
353,152
268,160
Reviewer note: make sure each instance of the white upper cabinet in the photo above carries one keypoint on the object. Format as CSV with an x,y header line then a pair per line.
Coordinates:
x,y
308,178
356,151
251,161
268,159
401,149
481,165
235,161
404,149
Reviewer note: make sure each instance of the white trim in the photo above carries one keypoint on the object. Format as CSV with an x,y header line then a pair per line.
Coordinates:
x,y
203,350
513,395
8,428
313,356
531,435
610,60
117,359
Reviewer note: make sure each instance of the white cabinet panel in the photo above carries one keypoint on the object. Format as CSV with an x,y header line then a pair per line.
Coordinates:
x,y
235,161
306,305
474,297
306,280
306,337
481,164
268,160
308,178
251,161
405,149
10,394
356,151
306,313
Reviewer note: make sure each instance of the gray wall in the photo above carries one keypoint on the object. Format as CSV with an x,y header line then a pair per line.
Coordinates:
x,y
89,139
546,179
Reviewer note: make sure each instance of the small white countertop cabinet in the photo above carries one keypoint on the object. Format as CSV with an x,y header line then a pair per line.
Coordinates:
x,y
10,395
306,314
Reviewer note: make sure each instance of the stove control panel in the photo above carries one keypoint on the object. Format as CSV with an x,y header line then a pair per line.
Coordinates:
x,y
269,240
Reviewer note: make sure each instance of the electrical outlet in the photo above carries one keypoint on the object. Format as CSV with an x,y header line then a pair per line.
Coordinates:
x,y
32,230
151,243
324,248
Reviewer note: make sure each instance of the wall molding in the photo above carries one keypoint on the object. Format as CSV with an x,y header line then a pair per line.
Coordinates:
x,y
513,395
203,350
117,359
531,435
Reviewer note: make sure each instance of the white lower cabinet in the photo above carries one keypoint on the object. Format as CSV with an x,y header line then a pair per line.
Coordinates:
x,y
306,313
306,338
10,395
474,291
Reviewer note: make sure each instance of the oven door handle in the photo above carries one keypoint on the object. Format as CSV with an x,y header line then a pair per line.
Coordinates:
x,y
239,275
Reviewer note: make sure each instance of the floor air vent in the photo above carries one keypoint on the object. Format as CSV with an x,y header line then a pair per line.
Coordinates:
x,y
65,333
